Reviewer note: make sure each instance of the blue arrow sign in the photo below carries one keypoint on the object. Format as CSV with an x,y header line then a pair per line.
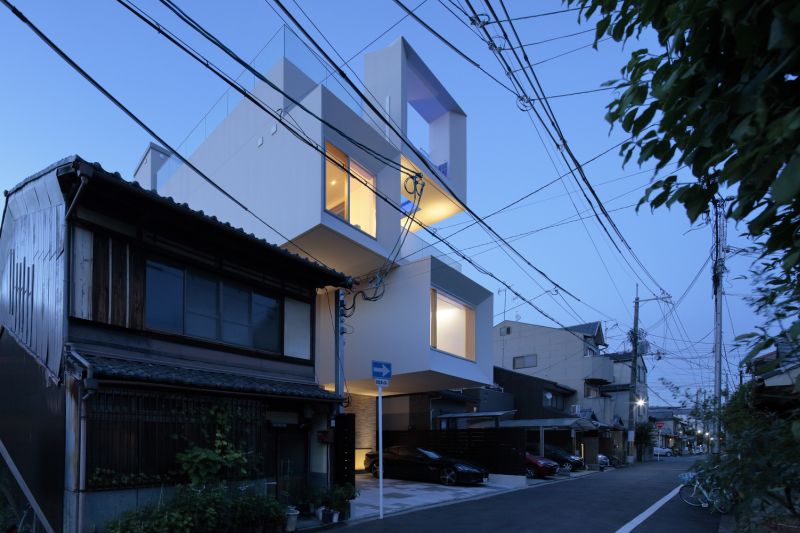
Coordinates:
x,y
381,370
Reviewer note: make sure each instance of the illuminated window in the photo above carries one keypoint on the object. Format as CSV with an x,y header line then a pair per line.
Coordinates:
x,y
452,326
349,190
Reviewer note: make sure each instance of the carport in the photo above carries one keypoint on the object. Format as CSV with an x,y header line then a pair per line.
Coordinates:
x,y
557,426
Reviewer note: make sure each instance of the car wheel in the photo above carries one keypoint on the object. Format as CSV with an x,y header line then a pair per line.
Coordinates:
x,y
668,454
447,476
374,470
567,467
530,473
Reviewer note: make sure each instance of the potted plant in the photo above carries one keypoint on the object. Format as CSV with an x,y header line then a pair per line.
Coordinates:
x,y
291,518
339,499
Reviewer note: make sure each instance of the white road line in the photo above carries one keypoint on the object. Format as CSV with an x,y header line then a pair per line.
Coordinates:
x,y
627,528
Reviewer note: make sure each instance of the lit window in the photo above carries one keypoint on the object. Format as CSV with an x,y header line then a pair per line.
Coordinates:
x,y
525,361
452,326
349,190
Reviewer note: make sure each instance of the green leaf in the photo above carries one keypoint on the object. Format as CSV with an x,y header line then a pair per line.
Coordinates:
x,y
787,187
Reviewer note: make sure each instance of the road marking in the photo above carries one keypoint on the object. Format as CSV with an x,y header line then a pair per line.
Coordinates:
x,y
627,528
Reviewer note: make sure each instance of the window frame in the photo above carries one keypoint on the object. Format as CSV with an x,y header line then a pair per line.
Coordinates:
x,y
221,279
522,357
470,328
348,201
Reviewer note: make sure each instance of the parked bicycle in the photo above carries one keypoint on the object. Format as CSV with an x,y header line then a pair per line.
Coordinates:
x,y
699,491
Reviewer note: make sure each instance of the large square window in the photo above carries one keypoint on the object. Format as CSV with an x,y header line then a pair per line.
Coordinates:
x,y
452,326
349,191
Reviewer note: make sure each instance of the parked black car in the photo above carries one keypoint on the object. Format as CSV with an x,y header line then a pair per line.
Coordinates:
x,y
409,462
562,457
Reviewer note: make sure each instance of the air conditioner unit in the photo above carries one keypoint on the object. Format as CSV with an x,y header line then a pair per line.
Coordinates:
x,y
505,331
575,410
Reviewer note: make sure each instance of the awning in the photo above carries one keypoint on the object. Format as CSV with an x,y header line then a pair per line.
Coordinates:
x,y
182,373
578,424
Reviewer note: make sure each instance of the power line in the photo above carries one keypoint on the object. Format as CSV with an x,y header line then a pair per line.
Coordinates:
x,y
65,57
551,39
378,193
420,156
537,15
564,147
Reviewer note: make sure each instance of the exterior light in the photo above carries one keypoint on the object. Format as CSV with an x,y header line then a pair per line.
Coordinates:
x,y
699,432
640,402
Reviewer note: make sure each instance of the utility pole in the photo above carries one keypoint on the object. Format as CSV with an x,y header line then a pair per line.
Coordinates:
x,y
717,275
633,401
632,388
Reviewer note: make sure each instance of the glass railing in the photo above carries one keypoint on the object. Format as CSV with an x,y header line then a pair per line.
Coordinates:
x,y
284,43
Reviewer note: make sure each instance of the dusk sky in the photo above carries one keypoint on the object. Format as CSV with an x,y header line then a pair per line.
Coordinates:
x,y
48,112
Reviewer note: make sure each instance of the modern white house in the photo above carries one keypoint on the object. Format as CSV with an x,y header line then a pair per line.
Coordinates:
x,y
569,356
433,323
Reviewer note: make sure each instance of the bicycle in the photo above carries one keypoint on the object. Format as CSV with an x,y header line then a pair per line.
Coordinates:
x,y
694,493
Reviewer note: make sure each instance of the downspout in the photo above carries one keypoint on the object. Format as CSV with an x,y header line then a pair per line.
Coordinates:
x,y
89,386
65,336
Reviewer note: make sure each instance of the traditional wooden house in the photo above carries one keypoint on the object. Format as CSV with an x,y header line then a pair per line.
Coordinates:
x,y
129,326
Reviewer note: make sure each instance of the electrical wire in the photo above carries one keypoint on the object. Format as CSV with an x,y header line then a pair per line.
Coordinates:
x,y
378,193
77,68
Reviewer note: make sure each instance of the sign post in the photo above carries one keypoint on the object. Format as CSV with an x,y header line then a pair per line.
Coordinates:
x,y
659,425
382,372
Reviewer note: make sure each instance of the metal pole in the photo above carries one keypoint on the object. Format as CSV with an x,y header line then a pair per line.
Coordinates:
x,y
719,271
380,450
541,441
339,348
632,388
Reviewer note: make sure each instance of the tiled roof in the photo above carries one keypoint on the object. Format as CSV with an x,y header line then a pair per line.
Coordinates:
x,y
590,328
98,172
174,374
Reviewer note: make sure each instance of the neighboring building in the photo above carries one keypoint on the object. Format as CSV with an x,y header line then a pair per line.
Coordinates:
x,y
535,398
619,390
432,323
129,323
671,428
776,375
568,356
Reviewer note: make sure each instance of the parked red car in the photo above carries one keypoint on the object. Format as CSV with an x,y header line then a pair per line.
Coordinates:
x,y
539,466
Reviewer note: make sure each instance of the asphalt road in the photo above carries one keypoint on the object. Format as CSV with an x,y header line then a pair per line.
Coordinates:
x,y
602,502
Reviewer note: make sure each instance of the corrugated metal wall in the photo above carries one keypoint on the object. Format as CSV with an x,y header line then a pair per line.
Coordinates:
x,y
32,282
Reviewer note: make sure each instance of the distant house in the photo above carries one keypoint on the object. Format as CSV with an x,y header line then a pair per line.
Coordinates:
x,y
569,356
619,390
776,374
131,327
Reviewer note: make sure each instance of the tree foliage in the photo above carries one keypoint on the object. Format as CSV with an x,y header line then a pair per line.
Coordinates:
x,y
762,463
721,96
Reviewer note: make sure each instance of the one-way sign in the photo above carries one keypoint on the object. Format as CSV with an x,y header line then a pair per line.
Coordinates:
x,y
381,370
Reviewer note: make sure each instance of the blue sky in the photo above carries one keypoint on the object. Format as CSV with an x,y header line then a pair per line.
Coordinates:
x,y
47,112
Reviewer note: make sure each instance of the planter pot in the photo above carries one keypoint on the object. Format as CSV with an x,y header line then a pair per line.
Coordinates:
x,y
330,517
291,519
318,513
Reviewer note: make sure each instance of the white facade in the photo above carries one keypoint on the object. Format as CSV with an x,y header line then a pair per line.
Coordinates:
x,y
290,185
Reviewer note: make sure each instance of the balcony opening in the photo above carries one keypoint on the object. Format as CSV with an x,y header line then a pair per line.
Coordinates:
x,y
418,130
349,191
452,326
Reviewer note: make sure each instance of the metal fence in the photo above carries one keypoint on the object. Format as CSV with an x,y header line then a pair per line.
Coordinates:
x,y
133,437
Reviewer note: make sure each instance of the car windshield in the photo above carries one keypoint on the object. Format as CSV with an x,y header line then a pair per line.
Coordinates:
x,y
429,454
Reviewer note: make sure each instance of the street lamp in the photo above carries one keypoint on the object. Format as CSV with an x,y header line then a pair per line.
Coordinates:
x,y
640,402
